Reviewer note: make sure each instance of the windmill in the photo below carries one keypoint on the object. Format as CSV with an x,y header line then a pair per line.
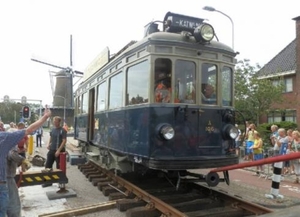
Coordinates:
x,y
62,88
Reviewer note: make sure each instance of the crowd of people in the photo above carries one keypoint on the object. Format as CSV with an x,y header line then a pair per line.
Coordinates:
x,y
282,142
14,144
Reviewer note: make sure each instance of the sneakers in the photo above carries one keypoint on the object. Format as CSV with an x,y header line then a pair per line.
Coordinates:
x,y
46,185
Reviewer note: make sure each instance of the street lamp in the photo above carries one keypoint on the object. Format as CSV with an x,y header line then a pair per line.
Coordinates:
x,y
212,9
64,106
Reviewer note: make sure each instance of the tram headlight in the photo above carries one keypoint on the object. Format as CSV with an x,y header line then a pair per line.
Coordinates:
x,y
230,131
205,32
166,131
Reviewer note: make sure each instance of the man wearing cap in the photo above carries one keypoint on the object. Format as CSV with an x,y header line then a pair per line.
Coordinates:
x,y
8,140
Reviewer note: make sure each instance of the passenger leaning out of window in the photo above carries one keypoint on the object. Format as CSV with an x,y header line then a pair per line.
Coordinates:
x,y
163,88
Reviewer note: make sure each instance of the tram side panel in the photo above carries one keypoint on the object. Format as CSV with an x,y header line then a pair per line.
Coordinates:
x,y
136,132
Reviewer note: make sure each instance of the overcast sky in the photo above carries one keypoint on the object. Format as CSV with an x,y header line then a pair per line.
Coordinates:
x,y
41,29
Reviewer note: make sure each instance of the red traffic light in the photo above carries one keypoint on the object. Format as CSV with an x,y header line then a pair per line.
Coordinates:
x,y
26,113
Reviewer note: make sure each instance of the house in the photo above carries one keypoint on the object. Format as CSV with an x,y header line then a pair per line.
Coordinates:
x,y
285,65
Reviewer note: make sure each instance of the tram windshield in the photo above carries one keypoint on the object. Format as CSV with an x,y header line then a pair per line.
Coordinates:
x,y
209,83
185,77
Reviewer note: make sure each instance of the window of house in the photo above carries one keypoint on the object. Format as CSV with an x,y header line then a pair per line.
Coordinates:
x,y
101,96
278,116
116,91
288,84
227,81
185,78
138,83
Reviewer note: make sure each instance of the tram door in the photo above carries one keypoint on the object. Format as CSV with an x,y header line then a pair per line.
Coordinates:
x,y
91,112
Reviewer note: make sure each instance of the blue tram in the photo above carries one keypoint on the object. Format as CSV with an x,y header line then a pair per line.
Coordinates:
x,y
163,103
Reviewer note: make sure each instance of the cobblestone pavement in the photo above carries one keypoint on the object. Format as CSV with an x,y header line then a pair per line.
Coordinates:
x,y
244,183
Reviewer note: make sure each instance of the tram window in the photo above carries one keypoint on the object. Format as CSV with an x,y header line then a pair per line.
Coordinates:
x,y
79,104
162,91
138,83
85,103
209,83
116,91
227,83
76,112
101,96
185,77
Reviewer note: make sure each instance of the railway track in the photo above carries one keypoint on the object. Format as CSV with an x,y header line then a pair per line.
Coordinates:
x,y
161,197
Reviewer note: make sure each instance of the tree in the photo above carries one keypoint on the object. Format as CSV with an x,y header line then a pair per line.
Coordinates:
x,y
253,95
10,112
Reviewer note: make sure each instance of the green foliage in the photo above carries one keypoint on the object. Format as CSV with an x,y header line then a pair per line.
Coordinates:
x,y
10,112
254,96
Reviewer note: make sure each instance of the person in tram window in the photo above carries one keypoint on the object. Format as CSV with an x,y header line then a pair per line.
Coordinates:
x,y
208,94
162,87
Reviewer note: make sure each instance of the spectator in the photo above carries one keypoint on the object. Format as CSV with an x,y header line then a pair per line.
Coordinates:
x,y
8,140
296,148
2,126
258,151
38,137
56,144
13,161
23,144
273,137
250,142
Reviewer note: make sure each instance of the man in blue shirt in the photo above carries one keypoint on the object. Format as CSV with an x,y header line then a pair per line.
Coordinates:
x,y
9,140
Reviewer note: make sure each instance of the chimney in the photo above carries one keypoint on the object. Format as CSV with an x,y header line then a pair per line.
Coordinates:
x,y
297,19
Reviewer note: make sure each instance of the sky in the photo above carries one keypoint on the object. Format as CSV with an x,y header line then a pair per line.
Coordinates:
x,y
41,29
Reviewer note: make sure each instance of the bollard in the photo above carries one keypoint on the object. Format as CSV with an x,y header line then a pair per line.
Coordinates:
x,y
275,182
62,167
30,145
62,162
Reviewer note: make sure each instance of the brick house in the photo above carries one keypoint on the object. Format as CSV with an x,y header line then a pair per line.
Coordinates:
x,y
286,64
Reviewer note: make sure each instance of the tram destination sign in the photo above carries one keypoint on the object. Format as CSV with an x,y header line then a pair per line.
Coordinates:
x,y
183,23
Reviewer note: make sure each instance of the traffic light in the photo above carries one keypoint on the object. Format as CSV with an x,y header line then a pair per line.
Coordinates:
x,y
26,112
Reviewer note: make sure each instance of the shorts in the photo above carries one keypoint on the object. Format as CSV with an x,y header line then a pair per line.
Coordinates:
x,y
248,145
259,156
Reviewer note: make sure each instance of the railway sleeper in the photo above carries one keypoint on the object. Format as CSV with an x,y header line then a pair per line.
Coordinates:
x,y
102,184
87,171
95,181
116,196
79,166
126,204
83,167
106,190
95,176
142,211
96,172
